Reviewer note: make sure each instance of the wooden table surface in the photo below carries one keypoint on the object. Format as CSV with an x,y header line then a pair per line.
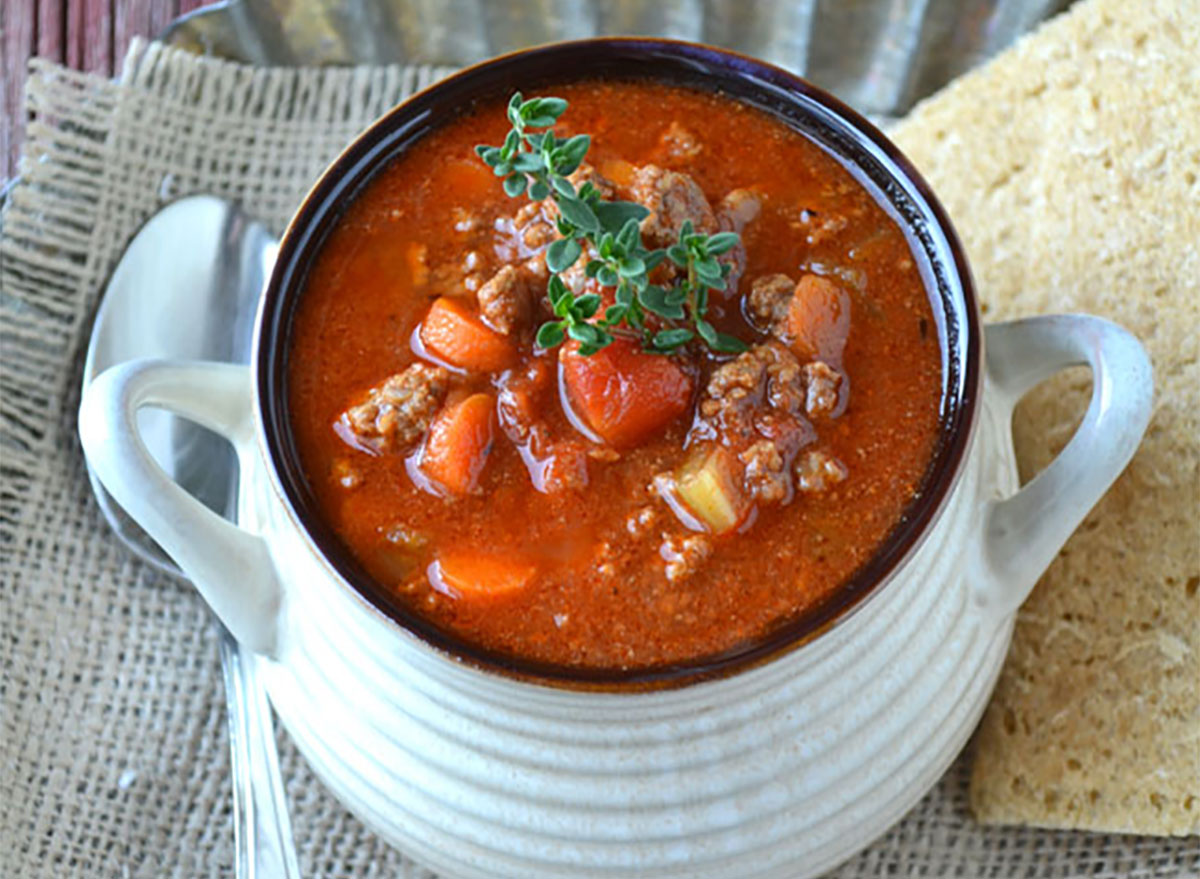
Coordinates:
x,y
88,35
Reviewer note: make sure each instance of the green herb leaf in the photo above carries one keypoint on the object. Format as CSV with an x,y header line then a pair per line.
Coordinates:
x,y
526,163
654,300
719,341
586,305
667,340
551,334
628,238
563,186
708,269
586,333
514,185
728,344
538,190
556,289
514,109
578,214
542,112
613,215
722,242
489,154
571,153
632,267
561,254
511,144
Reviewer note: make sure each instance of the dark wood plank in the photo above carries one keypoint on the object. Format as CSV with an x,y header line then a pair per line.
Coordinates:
x,y
162,13
74,36
51,29
19,36
98,36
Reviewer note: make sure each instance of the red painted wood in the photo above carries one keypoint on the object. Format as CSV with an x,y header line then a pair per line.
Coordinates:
x,y
73,38
18,35
132,18
98,36
161,14
51,29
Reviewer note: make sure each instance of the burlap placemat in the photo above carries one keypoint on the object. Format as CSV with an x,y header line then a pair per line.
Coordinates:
x,y
113,751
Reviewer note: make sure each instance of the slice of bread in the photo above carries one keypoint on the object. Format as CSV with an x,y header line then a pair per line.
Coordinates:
x,y
1071,168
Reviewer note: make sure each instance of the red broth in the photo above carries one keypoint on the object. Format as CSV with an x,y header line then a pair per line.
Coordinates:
x,y
574,556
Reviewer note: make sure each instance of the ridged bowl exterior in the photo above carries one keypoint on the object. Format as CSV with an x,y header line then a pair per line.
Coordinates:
x,y
782,770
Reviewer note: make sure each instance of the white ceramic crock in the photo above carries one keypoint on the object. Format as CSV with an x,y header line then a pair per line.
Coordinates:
x,y
777,768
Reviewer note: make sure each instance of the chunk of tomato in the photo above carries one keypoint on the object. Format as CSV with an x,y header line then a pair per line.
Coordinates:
x,y
623,394
818,319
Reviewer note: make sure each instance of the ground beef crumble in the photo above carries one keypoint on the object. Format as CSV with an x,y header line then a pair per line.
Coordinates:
x,y
505,301
672,199
768,301
818,470
397,413
684,555
824,386
754,405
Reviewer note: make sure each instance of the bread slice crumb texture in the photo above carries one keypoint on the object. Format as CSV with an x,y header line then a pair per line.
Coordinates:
x,y
1071,168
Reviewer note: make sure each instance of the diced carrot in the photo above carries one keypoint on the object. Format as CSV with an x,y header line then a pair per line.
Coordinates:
x,y
624,394
474,576
818,319
459,442
453,332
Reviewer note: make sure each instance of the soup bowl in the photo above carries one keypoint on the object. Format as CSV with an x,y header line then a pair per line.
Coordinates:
x,y
780,759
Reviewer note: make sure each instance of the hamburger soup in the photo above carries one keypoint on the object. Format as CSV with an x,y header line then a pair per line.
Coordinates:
x,y
645,377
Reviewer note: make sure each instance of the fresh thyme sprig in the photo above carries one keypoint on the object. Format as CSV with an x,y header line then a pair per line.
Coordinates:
x,y
539,163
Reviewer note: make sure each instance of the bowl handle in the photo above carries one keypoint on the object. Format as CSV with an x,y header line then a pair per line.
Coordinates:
x,y
231,567
1023,533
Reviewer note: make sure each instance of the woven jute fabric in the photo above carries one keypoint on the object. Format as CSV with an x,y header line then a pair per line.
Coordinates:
x,y
113,752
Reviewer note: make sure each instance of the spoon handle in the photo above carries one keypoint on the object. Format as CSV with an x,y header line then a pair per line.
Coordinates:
x,y
262,830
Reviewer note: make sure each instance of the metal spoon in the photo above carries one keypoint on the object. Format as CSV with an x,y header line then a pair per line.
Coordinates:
x,y
187,287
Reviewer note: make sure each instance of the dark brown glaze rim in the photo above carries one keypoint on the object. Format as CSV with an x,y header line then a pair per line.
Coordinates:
x,y
860,147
